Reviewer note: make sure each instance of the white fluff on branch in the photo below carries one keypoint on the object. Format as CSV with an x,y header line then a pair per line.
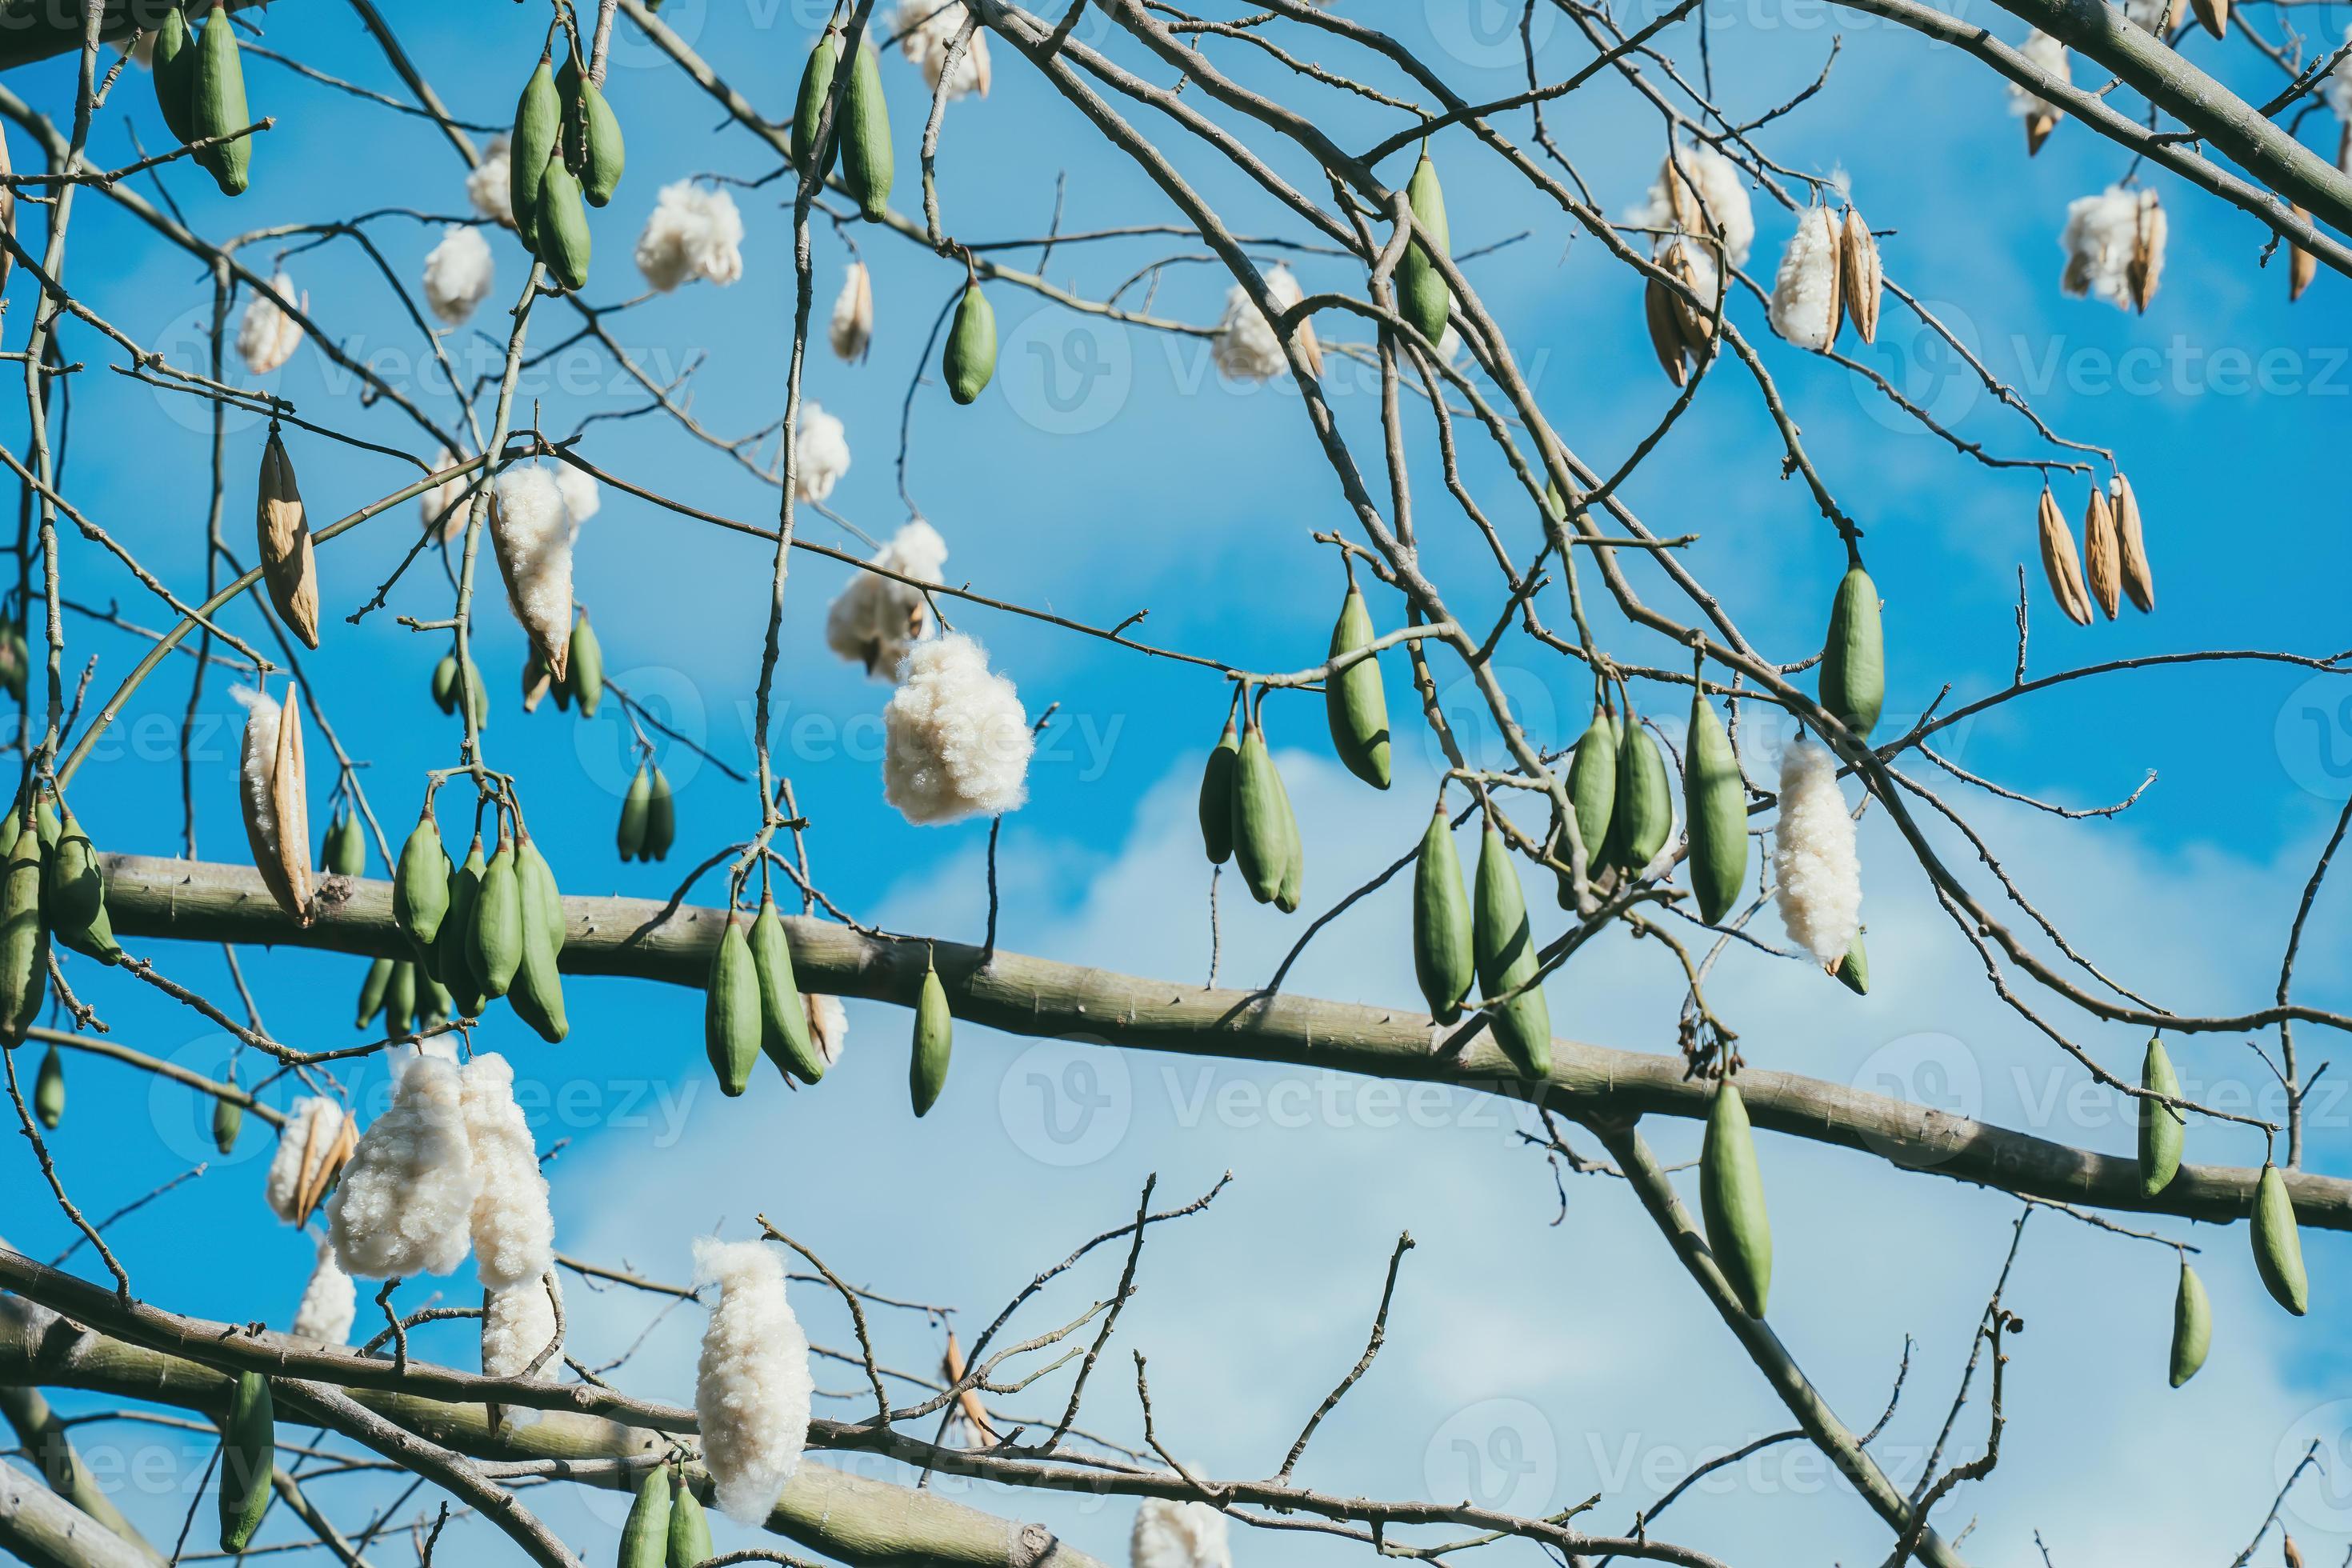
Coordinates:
x,y
437,509
2040,49
519,1327
490,186
513,1232
266,336
819,454
406,1199
1245,347
852,329
582,497
329,1301
955,743
1804,308
459,273
1721,204
2108,239
874,619
927,28
752,1386
1171,1534
694,233
532,530
1814,860
312,1124
281,850
2338,86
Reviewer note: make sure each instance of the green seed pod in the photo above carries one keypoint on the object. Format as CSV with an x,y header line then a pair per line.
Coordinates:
x,y
1441,922
1731,1200
434,1003
248,1455
537,995
1217,797
971,357
816,86
1504,947
1353,700
445,683
494,942
1715,806
599,159
645,1538
400,1002
371,991
784,1016
631,837
538,122
216,103
1592,786
927,1074
689,1532
77,887
24,940
1644,812
345,851
1854,659
174,66
15,665
228,1120
49,1091
420,883
661,818
1258,802
563,232
95,940
2193,1325
540,892
864,136
1422,298
2278,1247
2161,1127
585,668
1294,853
452,964
730,1010
1854,969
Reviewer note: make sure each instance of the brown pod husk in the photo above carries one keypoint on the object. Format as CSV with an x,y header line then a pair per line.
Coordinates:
x,y
2146,266
2102,556
286,563
2302,266
8,212
1859,275
2138,581
2061,563
281,845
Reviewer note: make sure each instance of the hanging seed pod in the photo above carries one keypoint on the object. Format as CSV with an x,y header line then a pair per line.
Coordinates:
x,y
435,1005
864,136
1859,275
2102,554
453,964
445,683
371,991
343,850
2147,265
1294,855
1731,1201
689,1532
1680,332
420,883
630,839
15,663
2138,581
562,232
49,1091
730,1010
216,105
2061,564
95,940
2193,1325
970,360
1854,969
228,1120
2214,14
24,940
537,993
2302,266
536,682
538,126
1258,803
661,818
851,329
76,886
1644,814
1354,699
1592,784
249,1450
287,566
1441,951
1217,797
585,669
808,111
173,65
927,1073
494,942
1854,655
783,1015
601,153
1423,299
2278,1247
644,1537
1714,807
1504,946
2161,1127
400,1002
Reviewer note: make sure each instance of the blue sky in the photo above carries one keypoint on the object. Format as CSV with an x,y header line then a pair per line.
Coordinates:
x,y
1566,1359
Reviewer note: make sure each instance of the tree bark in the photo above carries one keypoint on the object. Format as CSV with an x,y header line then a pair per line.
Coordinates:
x,y
36,29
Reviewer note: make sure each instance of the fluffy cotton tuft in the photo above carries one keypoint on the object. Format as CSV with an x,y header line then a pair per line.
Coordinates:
x,y
1813,860
329,1301
2338,86
828,1026
459,273
693,233
533,529
514,1234
1170,1534
257,766
752,1385
437,509
583,497
851,332
819,454
2114,245
1700,190
406,1198
1245,348
927,28
955,743
490,186
2040,49
266,336
1805,295
313,1125
874,620
518,1325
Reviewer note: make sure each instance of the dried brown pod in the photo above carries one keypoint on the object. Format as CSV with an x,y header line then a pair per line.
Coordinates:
x,y
852,329
1859,275
974,1414
8,211
2302,266
323,1159
2147,264
2138,581
2214,14
288,566
2061,563
2291,1553
274,803
2102,562
1665,332
1679,332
